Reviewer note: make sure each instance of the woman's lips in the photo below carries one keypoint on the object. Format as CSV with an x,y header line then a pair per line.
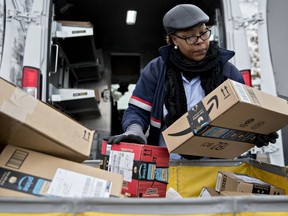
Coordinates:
x,y
200,52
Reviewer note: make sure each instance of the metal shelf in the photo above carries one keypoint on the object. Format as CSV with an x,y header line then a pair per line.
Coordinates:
x,y
68,29
78,103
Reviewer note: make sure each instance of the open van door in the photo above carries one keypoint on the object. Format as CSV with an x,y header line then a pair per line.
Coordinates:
x,y
236,37
273,48
25,50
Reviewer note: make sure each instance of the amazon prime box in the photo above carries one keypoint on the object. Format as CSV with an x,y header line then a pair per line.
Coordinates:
x,y
226,122
30,123
144,168
235,182
27,173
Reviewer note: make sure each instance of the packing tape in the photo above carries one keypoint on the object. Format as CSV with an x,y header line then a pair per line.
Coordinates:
x,y
19,105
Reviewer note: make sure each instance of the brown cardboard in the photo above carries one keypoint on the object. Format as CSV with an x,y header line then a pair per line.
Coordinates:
x,y
30,123
208,192
235,193
226,122
27,169
230,181
75,23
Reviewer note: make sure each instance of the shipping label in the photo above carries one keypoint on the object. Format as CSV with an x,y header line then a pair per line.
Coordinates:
x,y
122,163
67,183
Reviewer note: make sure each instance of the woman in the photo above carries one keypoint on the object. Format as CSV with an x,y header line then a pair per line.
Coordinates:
x,y
188,69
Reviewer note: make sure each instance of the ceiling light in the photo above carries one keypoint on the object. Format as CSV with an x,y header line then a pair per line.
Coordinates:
x,y
131,17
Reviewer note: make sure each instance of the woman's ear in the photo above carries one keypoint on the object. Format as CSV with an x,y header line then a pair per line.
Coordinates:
x,y
174,40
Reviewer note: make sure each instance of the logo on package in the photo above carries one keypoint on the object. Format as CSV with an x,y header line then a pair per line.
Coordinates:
x,y
23,182
151,191
198,117
150,172
215,146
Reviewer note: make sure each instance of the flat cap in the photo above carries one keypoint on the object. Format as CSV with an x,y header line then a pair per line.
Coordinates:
x,y
183,16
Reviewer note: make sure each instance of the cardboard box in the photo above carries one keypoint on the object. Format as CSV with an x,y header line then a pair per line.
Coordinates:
x,y
208,192
235,193
33,124
226,122
230,181
26,173
144,168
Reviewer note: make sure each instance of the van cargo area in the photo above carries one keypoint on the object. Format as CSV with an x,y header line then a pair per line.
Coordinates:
x,y
204,174
67,71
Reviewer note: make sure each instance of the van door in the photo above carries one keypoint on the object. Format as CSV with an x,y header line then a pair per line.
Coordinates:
x,y
25,47
236,38
2,22
273,48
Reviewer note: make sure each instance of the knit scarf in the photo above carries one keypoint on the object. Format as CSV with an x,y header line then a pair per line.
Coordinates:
x,y
209,70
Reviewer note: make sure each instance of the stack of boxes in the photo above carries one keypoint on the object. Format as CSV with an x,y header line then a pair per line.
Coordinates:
x,y
41,147
235,184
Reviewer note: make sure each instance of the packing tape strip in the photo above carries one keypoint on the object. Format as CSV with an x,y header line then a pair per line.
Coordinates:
x,y
19,105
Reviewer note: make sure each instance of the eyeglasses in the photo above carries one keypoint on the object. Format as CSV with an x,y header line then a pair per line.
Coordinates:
x,y
191,40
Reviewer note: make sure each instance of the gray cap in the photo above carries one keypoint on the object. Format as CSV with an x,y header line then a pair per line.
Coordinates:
x,y
183,16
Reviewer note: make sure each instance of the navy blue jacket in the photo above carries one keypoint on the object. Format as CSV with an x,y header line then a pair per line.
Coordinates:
x,y
146,103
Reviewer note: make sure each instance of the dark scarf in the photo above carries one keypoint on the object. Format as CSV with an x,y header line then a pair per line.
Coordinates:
x,y
209,70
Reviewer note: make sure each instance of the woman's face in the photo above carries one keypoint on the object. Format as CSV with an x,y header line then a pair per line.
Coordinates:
x,y
196,51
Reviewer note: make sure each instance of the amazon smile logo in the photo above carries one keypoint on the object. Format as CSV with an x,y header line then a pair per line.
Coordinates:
x,y
198,117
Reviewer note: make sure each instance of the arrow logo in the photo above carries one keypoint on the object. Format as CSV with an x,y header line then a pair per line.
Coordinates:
x,y
214,102
211,100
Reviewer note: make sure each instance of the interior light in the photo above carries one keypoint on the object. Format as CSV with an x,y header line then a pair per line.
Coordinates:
x,y
131,17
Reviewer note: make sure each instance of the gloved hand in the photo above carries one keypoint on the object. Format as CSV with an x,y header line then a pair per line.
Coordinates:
x,y
264,140
132,134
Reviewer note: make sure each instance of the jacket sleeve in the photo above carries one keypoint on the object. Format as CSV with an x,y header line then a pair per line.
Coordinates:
x,y
231,72
141,101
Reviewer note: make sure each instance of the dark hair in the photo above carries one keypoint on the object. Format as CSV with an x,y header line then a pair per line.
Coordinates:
x,y
168,39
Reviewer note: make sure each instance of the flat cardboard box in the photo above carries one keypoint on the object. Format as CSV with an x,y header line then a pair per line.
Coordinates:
x,y
230,181
33,124
26,173
211,192
144,168
226,122
235,193
208,192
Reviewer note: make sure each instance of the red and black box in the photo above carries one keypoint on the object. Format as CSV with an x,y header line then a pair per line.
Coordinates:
x,y
144,167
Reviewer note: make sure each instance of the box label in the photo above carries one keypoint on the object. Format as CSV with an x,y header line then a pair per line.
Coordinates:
x,y
219,185
259,187
121,163
244,96
228,134
17,159
150,172
67,183
23,182
241,92
198,118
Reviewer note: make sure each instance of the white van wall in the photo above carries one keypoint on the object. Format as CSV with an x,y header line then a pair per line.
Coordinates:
x,y
236,38
273,47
